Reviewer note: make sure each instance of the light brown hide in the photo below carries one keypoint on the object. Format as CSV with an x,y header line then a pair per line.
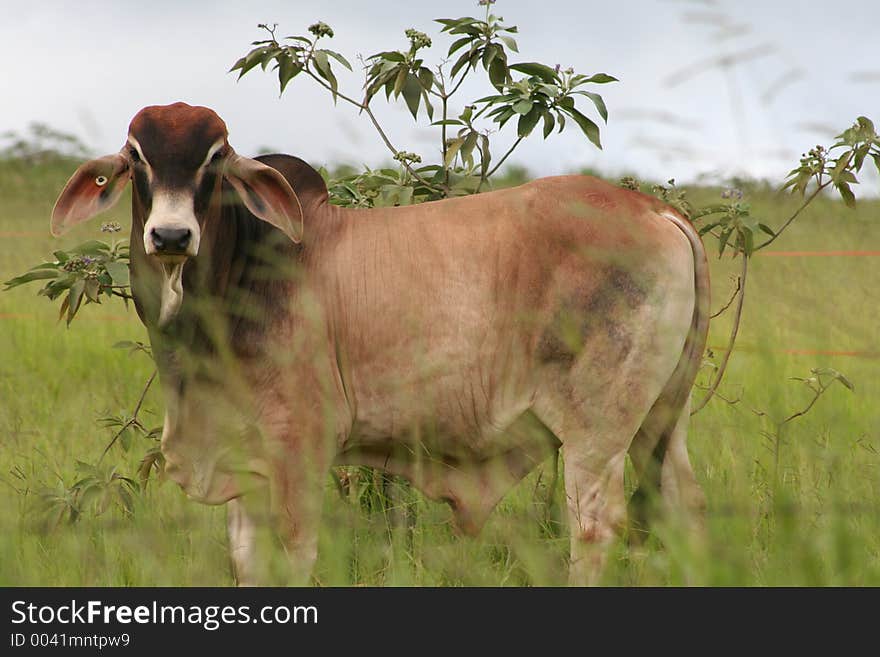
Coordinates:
x,y
459,343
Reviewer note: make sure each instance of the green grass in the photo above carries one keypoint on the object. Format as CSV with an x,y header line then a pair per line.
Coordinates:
x,y
817,522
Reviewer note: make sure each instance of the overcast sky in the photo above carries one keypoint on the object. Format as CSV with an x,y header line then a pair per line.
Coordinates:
x,y
805,70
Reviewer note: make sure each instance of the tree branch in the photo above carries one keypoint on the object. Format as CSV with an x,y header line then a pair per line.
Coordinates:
x,y
719,374
501,161
366,108
730,301
134,415
794,216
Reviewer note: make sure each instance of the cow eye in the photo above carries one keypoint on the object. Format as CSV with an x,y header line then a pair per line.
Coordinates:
x,y
134,155
216,157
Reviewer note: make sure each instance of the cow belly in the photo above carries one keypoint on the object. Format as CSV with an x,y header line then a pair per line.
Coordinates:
x,y
471,482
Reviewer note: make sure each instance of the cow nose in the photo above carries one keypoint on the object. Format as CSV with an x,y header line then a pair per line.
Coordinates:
x,y
171,240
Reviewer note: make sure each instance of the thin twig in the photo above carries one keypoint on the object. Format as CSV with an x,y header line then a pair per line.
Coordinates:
x,y
501,161
719,374
134,415
817,394
732,297
794,216
726,400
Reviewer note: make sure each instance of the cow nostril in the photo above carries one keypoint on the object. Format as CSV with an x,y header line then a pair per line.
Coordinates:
x,y
183,240
158,242
171,240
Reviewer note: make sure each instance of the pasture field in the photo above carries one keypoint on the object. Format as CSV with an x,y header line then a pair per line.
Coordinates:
x,y
809,515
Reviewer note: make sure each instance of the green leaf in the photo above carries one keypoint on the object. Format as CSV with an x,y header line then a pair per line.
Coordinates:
x,y
601,78
860,154
490,52
846,194
549,123
36,275
451,151
391,56
323,67
528,121
722,240
498,74
457,45
848,177
448,122
598,102
429,109
287,70
522,107
125,440
834,374
542,71
705,229
467,149
118,271
588,127
486,155
509,42
92,247
92,289
504,116
412,93
466,59
74,299
269,55
64,306
405,196
841,165
249,61
400,80
748,238
339,58
426,78
61,256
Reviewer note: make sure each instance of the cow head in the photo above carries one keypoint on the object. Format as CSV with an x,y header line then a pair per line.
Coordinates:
x,y
176,155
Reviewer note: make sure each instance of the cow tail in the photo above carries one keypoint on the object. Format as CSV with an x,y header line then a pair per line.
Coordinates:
x,y
679,387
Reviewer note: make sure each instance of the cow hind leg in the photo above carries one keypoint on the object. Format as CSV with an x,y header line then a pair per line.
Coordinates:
x,y
596,512
595,410
595,437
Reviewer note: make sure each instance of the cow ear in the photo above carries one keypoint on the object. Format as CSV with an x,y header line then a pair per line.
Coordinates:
x,y
95,187
267,194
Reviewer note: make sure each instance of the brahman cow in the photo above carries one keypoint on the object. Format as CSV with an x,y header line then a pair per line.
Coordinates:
x,y
457,343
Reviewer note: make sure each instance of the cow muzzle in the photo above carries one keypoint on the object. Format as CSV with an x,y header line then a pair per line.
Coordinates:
x,y
172,232
171,241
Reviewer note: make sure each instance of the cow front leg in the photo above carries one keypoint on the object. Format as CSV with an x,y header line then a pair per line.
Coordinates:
x,y
246,528
297,495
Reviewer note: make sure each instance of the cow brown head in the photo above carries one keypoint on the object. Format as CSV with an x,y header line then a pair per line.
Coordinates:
x,y
176,155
